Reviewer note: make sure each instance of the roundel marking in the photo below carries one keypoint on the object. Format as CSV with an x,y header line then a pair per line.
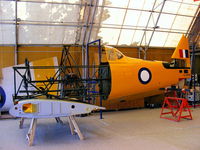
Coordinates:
x,y
144,75
2,97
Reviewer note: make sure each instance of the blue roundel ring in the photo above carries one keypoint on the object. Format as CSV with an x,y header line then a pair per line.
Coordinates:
x,y
144,75
2,97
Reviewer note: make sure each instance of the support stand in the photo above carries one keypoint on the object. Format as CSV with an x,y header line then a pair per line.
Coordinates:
x,y
176,107
31,133
58,120
74,127
21,123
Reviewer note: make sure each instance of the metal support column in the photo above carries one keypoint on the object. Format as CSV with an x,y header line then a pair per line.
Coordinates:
x,y
101,99
16,35
123,22
193,77
87,17
155,26
144,34
91,22
99,51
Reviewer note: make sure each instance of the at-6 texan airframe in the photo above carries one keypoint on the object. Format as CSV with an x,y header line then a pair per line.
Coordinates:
x,y
131,76
124,76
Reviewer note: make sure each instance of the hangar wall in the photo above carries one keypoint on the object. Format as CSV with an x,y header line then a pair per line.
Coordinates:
x,y
6,56
34,53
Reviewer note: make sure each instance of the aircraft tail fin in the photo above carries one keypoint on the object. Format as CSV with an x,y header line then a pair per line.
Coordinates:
x,y
182,51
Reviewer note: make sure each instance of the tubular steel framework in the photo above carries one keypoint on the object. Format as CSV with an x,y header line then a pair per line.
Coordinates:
x,y
70,83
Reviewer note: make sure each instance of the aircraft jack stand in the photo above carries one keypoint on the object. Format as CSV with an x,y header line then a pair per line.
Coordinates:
x,y
58,120
21,122
31,132
74,127
176,107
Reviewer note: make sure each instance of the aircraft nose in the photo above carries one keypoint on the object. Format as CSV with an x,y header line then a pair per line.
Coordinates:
x,y
2,97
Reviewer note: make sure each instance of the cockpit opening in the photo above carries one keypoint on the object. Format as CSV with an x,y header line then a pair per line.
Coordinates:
x,y
175,64
105,80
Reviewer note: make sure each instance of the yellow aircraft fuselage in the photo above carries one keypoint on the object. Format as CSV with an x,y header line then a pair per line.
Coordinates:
x,y
131,76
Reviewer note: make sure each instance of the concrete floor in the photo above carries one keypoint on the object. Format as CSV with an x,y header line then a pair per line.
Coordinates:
x,y
140,129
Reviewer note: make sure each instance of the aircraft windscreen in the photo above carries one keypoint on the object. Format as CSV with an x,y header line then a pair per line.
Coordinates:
x,y
113,54
119,54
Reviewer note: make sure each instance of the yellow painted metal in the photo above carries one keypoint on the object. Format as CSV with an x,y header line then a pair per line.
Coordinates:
x,y
125,74
183,44
29,108
44,74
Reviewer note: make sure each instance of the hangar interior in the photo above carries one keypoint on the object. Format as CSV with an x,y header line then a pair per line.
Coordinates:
x,y
148,29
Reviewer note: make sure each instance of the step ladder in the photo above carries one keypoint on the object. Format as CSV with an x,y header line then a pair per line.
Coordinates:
x,y
174,108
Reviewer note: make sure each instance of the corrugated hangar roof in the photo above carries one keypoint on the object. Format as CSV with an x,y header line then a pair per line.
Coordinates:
x,y
155,23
